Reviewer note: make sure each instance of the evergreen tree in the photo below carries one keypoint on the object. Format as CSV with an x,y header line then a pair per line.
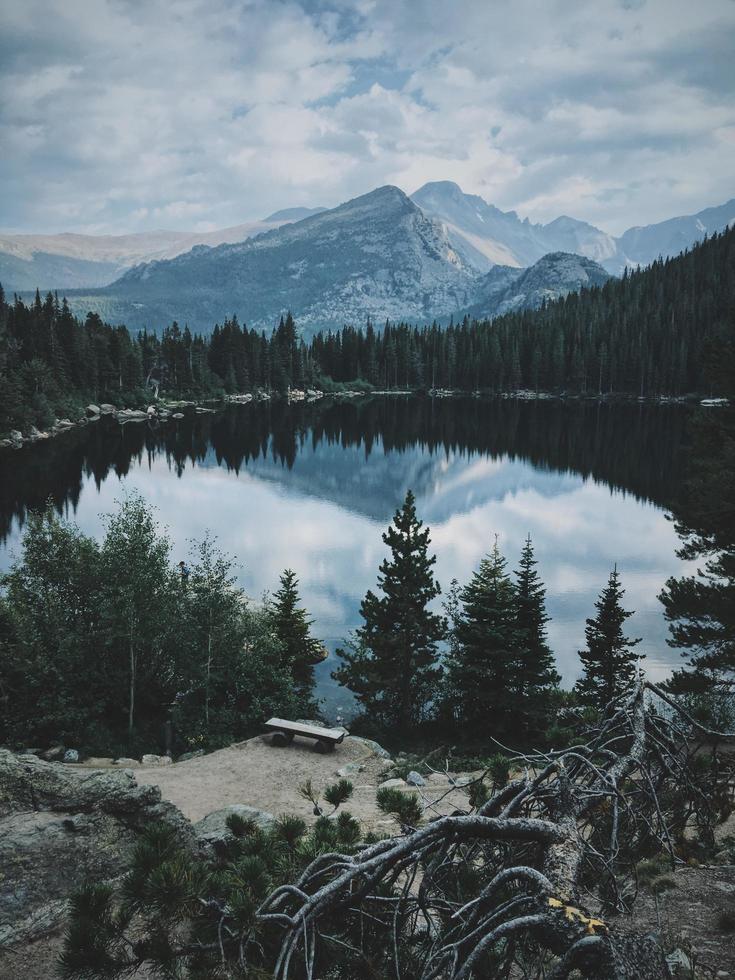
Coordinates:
x,y
292,626
537,675
701,609
392,664
482,671
609,661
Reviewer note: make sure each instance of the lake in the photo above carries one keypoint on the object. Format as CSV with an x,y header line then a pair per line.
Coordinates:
x,y
313,486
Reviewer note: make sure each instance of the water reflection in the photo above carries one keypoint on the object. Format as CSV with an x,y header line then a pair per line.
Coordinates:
x,y
312,486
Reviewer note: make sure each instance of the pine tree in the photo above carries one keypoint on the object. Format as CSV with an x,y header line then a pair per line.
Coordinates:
x,y
700,608
392,664
609,660
537,675
292,626
482,670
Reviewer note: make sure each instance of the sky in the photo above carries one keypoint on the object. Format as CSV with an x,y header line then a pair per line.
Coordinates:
x,y
120,116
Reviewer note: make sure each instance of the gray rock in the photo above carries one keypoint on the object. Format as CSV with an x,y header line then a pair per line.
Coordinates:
x,y
415,779
54,754
97,762
190,755
60,827
126,763
106,409
213,827
350,770
156,760
375,747
93,410
131,415
178,415
71,755
393,784
16,437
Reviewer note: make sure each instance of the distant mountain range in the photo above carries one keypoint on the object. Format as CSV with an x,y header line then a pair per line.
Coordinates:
x,y
484,235
72,261
437,254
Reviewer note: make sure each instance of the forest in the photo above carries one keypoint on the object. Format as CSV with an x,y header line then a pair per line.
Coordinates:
x,y
647,334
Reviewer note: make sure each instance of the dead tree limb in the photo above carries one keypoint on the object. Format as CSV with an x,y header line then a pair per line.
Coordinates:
x,y
523,885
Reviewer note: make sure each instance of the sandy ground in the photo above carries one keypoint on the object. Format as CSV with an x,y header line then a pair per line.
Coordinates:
x,y
261,775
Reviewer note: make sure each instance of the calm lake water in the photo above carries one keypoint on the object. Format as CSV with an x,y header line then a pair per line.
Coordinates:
x,y
312,487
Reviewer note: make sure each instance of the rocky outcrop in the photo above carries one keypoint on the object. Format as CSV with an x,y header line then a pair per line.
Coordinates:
x,y
213,828
62,826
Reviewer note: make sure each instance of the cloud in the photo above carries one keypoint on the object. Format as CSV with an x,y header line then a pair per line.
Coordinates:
x,y
119,115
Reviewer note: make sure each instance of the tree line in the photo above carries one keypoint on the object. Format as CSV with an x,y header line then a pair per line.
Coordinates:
x,y
484,667
646,334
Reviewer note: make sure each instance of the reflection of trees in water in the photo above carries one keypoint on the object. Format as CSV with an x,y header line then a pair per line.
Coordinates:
x,y
631,447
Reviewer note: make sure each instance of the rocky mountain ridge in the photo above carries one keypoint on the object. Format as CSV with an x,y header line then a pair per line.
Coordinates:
x,y
485,235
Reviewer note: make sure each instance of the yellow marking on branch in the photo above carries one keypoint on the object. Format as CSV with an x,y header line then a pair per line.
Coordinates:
x,y
573,914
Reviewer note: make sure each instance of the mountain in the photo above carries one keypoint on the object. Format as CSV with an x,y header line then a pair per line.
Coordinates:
x,y
292,214
641,246
70,261
484,235
376,256
505,289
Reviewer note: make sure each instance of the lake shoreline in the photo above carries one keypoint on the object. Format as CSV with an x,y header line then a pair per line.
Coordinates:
x,y
171,410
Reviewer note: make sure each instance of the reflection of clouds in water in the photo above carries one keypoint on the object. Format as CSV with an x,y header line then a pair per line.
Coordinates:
x,y
286,518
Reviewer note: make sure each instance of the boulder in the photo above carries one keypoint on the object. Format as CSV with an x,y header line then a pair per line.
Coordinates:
x,y
126,763
16,437
415,779
92,410
178,415
71,755
131,415
95,762
393,784
60,827
213,827
54,754
156,760
374,747
106,409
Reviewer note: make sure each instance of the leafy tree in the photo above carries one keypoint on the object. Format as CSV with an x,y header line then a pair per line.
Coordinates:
x,y
292,625
609,661
138,609
212,632
482,666
536,675
392,664
51,668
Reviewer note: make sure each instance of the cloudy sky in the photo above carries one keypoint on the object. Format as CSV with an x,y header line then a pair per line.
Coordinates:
x,y
130,115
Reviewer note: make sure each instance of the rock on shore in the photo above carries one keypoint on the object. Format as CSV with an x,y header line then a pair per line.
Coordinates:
x,y
61,826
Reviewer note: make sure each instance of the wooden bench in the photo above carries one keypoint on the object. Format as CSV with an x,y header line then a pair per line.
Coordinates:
x,y
325,739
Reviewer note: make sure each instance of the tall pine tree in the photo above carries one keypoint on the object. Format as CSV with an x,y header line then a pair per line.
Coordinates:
x,y
292,626
610,660
392,664
483,664
536,676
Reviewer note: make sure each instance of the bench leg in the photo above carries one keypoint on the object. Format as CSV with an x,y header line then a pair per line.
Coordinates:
x,y
281,739
323,747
